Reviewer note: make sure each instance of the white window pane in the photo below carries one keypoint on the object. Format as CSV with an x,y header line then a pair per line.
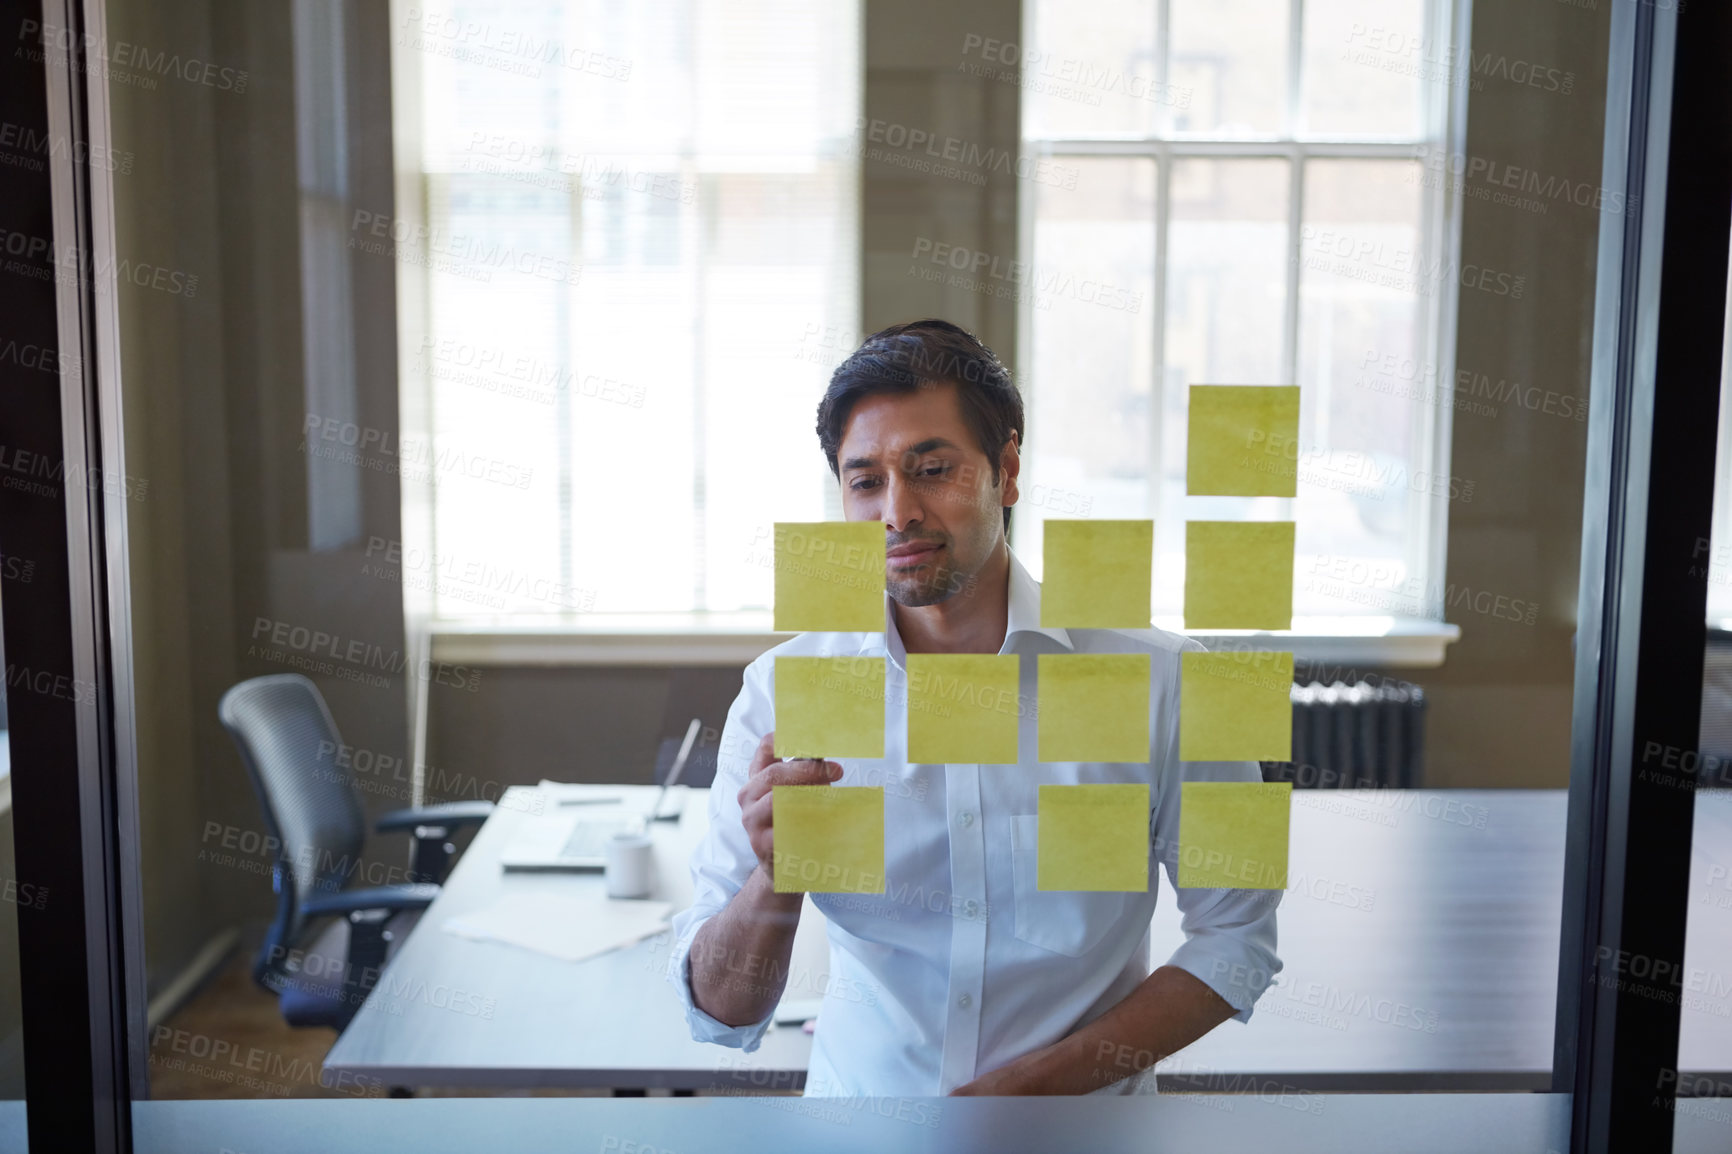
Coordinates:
x,y
1364,63
779,272
1230,56
1091,387
1364,280
494,362
1093,70
677,180
1226,293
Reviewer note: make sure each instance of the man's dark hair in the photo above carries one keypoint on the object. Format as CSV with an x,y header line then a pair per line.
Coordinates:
x,y
920,354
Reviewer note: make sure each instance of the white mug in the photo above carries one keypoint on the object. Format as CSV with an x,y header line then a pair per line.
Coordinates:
x,y
629,863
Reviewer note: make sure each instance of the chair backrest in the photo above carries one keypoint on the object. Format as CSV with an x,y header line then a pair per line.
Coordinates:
x,y
291,749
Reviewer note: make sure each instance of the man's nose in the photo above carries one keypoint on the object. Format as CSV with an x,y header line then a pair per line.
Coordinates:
x,y
902,505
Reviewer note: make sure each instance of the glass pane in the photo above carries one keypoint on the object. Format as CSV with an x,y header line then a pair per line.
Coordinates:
x,y
515,315
1365,277
1091,387
1094,69
1230,57
1226,316
1365,62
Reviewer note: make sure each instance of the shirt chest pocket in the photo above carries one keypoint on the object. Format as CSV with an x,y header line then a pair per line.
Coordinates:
x,y
1064,921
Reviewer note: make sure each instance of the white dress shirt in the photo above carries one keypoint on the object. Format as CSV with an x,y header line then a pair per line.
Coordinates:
x,y
963,965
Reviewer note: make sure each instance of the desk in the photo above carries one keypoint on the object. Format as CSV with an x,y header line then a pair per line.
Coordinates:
x,y
1420,937
609,1021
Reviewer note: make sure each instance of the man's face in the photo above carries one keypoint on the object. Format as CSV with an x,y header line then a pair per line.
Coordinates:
x,y
909,460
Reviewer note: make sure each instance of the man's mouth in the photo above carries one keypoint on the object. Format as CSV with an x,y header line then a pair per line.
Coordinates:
x,y
913,553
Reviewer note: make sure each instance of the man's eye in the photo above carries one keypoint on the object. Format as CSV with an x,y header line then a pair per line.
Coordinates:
x,y
937,470
861,484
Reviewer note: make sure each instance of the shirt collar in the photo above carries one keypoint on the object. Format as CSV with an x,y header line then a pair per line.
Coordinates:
x,y
1025,607
1023,617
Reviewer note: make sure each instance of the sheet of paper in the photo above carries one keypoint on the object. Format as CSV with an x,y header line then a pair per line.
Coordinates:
x,y
1093,707
1243,441
1093,837
829,707
1236,706
1238,575
829,839
568,928
565,799
962,708
829,576
1233,834
587,796
1096,574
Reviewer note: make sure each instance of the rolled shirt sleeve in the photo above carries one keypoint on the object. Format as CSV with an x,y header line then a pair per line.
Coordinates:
x,y
724,859
1229,934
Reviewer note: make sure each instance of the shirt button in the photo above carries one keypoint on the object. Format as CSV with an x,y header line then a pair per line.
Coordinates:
x,y
965,1001
966,818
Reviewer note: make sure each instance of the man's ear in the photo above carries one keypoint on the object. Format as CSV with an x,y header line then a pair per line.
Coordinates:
x,y
1009,469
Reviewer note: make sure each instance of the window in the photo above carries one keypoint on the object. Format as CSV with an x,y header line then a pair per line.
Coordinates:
x,y
1246,192
634,214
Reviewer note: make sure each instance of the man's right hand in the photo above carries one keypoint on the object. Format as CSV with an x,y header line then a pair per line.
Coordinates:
x,y
765,774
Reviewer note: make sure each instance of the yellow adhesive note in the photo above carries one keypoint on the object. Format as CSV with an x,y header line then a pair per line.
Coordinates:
x,y
1238,575
829,707
829,839
1233,834
1243,441
830,576
1093,707
1093,837
1236,706
962,708
1097,574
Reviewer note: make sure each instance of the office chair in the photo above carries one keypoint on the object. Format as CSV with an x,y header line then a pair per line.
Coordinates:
x,y
290,745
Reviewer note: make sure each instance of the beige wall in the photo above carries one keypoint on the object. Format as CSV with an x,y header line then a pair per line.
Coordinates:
x,y
1500,705
215,392
912,80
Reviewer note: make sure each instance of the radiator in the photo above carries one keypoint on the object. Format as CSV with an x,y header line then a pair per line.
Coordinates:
x,y
1359,736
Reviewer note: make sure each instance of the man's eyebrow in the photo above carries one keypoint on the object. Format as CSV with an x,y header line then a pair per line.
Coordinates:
x,y
916,450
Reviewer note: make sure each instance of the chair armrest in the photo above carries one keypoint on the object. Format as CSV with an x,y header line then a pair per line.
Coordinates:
x,y
429,826
406,896
369,911
451,815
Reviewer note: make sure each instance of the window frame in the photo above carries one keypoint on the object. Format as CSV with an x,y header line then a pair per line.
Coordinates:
x,y
1443,120
83,837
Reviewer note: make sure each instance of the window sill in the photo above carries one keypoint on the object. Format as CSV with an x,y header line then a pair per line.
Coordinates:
x,y
737,638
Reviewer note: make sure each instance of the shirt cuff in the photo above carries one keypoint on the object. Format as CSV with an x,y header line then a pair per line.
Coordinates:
x,y
705,1028
1238,973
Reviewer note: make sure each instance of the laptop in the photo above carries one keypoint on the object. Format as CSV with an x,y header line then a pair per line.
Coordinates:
x,y
580,842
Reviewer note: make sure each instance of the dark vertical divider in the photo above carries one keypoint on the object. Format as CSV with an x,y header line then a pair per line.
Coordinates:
x,y
1659,321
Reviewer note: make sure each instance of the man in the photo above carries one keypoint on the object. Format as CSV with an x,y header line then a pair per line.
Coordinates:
x,y
963,977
